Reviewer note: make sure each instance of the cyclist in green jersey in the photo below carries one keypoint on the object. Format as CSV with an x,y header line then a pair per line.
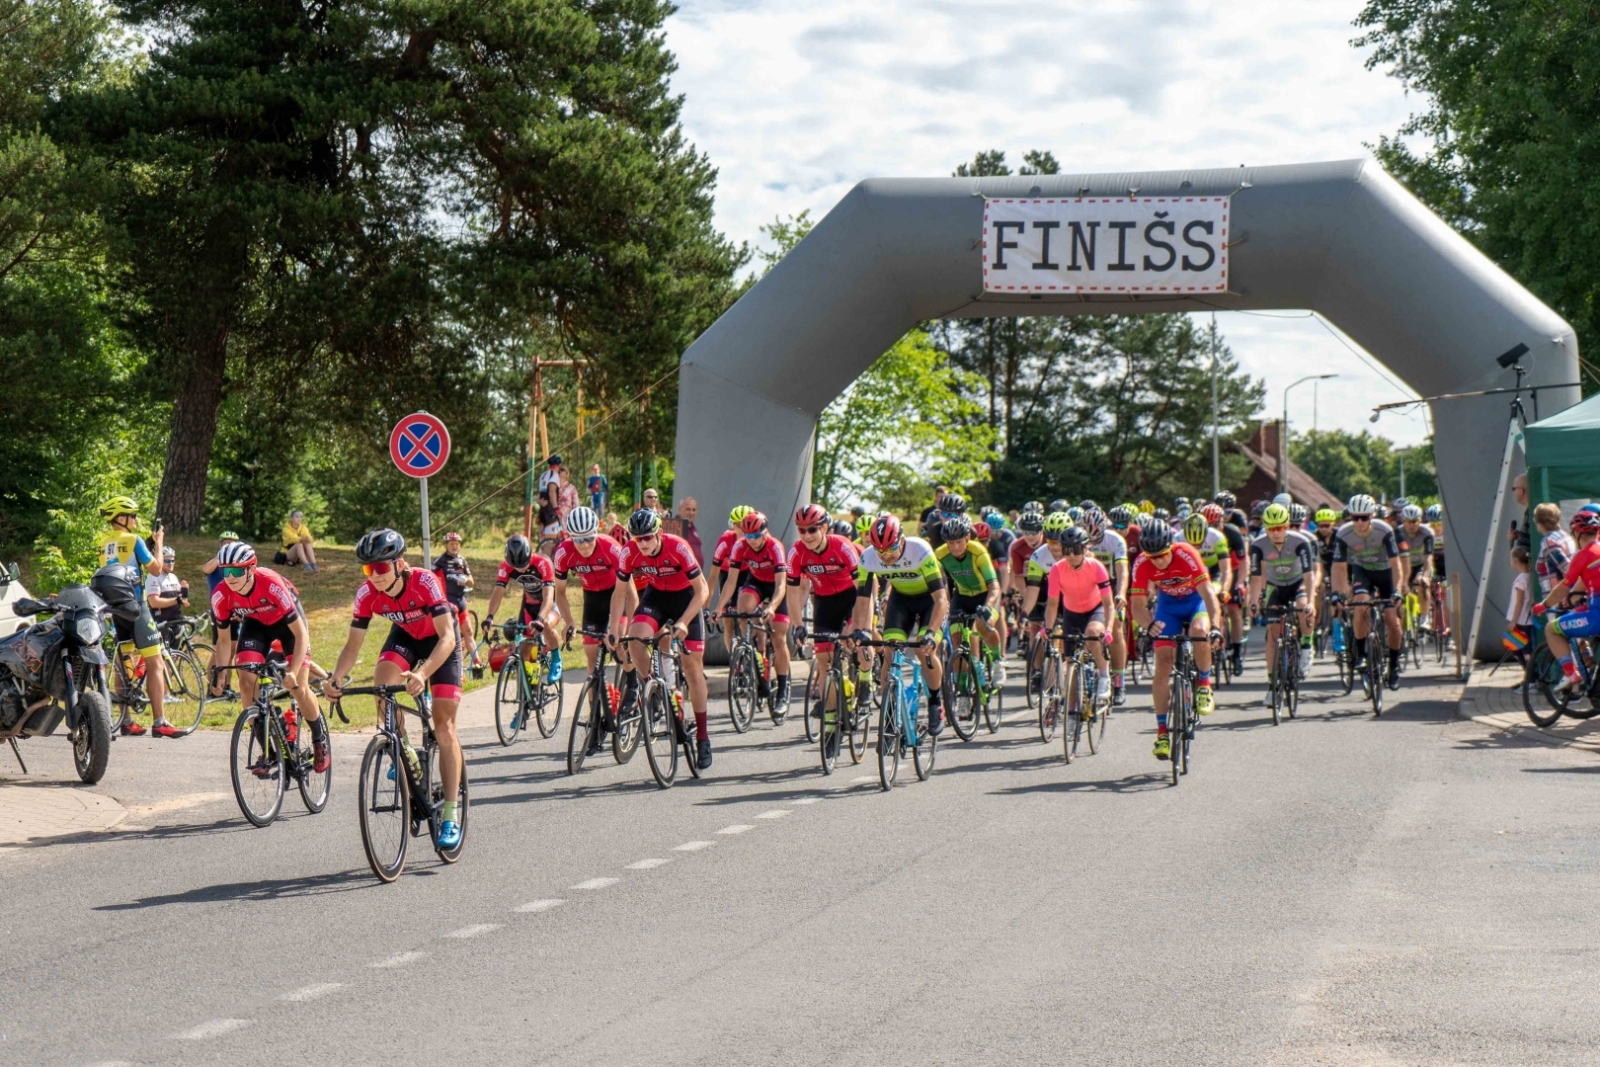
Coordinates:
x,y
967,566
917,603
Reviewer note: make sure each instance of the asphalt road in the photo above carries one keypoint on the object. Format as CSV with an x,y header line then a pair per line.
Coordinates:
x,y
1336,890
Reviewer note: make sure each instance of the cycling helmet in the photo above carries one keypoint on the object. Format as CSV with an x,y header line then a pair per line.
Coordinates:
x,y
1434,513
118,585
1183,512
118,505
1030,522
1225,500
383,544
1147,507
955,528
227,535
1195,528
582,522
753,523
982,530
1327,516
1283,498
1156,537
1298,514
1213,514
812,515
236,554
1411,513
952,503
1055,522
885,533
646,523
736,516
1076,515
519,552
1033,505
1257,508
1075,537
1275,515
1180,502
1400,503
842,527
1361,504
863,524
1086,503
168,553
1237,517
1161,514
1057,505
1121,515
1584,522
1094,524
453,536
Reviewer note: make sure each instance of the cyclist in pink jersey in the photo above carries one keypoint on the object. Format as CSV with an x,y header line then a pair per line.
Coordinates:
x,y
1079,589
762,576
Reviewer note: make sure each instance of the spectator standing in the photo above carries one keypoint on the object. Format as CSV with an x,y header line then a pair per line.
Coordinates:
x,y
297,543
566,492
652,500
599,489
551,475
1555,549
1519,616
688,511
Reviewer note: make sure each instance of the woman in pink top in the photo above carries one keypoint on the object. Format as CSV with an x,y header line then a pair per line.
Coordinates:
x,y
1080,587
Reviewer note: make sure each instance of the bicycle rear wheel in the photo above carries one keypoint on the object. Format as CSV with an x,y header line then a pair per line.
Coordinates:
x,y
436,798
1539,697
742,687
1032,661
384,807
961,694
1375,655
686,730
1093,713
889,735
508,700
583,736
659,733
257,766
808,719
186,691
1072,706
860,724
1275,684
834,717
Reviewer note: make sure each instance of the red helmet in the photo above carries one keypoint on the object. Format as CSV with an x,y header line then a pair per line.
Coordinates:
x,y
1585,522
885,533
753,523
1213,514
981,531
811,515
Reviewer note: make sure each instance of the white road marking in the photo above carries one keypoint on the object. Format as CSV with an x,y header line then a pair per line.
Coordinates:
x,y
474,930
649,864
213,1028
776,813
693,846
106,1063
805,800
597,883
312,992
399,960
736,828
540,905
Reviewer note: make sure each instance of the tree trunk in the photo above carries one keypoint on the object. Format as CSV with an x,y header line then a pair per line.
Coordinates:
x,y
182,501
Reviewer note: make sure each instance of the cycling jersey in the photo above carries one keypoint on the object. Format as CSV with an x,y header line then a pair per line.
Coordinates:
x,y
1238,545
915,573
1020,551
764,564
1282,566
412,611
1372,552
1419,547
832,570
972,574
597,571
1110,549
453,574
271,599
1212,548
1040,560
1000,541
672,569
725,543
1080,588
1584,570
1180,578
534,580
126,548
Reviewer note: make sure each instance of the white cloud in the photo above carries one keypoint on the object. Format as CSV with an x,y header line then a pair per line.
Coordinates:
x,y
795,103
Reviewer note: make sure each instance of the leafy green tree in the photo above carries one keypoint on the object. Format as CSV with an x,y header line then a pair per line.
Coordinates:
x,y
1349,463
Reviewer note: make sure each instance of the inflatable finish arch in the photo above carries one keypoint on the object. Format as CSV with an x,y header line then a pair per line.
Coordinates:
x,y
1343,239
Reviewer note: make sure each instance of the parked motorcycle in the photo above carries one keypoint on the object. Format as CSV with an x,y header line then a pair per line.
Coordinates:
x,y
55,671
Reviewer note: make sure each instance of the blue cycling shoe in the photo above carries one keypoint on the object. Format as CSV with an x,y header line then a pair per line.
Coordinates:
x,y
555,669
449,835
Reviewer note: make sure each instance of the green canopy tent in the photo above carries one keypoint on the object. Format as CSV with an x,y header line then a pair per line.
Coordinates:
x,y
1563,455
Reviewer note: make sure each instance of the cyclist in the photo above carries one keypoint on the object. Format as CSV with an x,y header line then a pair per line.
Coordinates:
x,y
1281,561
1419,558
594,558
1213,548
762,569
1079,588
268,610
455,575
1366,564
1108,546
719,560
1035,571
830,566
1584,570
121,545
1231,523
536,578
917,603
975,587
671,592
842,528
948,506
1185,604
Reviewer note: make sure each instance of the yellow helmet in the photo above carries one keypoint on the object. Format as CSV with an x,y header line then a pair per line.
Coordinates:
x,y
119,505
1275,515
736,516
1148,507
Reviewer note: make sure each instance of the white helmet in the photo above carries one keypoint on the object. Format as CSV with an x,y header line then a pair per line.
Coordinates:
x,y
236,554
1283,498
1411,513
582,522
1362,504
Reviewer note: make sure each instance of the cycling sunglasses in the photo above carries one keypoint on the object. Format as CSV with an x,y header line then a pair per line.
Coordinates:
x,y
1163,554
755,536
374,569
1073,551
1270,529
1361,518
810,529
235,572
583,540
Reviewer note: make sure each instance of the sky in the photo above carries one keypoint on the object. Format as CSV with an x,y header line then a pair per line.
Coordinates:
x,y
796,102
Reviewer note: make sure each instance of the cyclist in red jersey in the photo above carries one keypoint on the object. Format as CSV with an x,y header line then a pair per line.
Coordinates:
x,y
421,650
595,559
1030,535
269,610
827,566
537,580
719,560
1185,604
671,592
762,577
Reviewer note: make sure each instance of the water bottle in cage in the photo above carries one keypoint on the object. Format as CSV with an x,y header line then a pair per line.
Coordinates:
x,y
668,678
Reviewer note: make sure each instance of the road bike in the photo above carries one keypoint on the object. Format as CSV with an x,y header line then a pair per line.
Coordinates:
x,y
1543,674
1412,635
271,745
1375,647
1283,676
402,789
595,711
1072,694
1182,719
1033,667
751,684
1322,629
845,703
969,692
661,723
903,713
517,697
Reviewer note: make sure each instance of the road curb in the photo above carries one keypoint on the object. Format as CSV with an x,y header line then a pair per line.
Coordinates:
x,y
31,812
1493,706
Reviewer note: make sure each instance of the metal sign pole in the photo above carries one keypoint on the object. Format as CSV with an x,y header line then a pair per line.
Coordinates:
x,y
427,547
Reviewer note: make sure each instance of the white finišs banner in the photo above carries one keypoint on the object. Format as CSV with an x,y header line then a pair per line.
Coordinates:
x,y
1147,244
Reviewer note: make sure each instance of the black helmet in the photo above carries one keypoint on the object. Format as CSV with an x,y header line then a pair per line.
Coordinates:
x,y
955,528
1033,505
644,523
1031,522
1086,503
519,552
1155,537
118,585
380,546
1162,514
1057,505
1225,500
842,528
1075,537
953,503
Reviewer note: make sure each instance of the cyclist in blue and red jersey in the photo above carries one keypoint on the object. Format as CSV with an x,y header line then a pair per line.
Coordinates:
x,y
1584,571
1185,604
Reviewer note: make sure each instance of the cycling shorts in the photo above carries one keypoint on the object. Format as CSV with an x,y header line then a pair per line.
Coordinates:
x,y
405,652
138,634
1579,623
1175,613
1037,614
962,604
255,639
1077,622
531,614
596,613
660,607
763,591
1438,567
906,616
832,615
1283,596
1379,583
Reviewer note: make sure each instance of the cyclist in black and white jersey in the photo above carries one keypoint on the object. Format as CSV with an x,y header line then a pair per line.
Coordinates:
x,y
1367,564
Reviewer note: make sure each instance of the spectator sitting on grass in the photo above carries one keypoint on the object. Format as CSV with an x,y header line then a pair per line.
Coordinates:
x,y
297,548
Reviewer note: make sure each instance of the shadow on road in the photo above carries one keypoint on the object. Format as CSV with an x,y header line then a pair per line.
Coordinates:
x,y
1138,783
263,889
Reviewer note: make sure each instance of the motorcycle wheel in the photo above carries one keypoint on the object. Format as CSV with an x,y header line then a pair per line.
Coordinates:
x,y
91,746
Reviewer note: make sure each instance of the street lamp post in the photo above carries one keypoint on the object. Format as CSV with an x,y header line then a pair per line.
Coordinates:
x,y
1283,429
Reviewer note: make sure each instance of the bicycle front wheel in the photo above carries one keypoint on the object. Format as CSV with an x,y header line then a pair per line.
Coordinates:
x,y
583,737
257,767
834,716
994,706
314,787
927,747
1539,698
508,700
742,673
889,735
961,695
548,701
384,807
1050,702
186,691
660,733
